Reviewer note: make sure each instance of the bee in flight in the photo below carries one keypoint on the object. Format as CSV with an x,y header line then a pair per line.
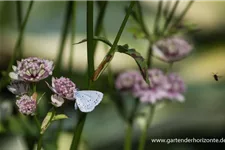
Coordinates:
x,y
216,76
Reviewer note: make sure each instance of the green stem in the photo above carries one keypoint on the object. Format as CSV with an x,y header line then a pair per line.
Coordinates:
x,y
40,142
37,122
64,33
90,55
144,133
77,132
179,19
19,13
110,73
34,87
129,126
19,20
40,135
128,137
143,26
73,30
170,17
90,41
109,56
99,24
149,56
113,48
157,18
166,9
17,46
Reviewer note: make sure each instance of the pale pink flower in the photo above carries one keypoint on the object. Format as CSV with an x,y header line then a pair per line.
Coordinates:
x,y
27,105
126,80
171,49
32,69
63,87
176,88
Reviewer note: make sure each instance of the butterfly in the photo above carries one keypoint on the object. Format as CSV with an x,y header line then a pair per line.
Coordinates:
x,y
86,100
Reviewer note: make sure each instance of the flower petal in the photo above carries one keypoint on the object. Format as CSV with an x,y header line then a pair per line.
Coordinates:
x,y
57,101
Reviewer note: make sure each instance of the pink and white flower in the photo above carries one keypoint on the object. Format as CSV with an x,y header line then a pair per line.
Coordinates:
x,y
27,105
63,87
32,69
171,49
162,86
176,88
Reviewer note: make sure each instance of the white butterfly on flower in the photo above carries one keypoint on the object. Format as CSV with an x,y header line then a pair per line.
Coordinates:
x,y
87,100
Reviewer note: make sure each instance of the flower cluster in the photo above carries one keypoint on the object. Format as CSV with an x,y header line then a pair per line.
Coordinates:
x,y
27,105
171,49
28,70
32,69
162,86
63,88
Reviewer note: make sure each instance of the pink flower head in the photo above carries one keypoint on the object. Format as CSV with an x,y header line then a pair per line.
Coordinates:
x,y
176,88
155,92
27,105
63,87
162,86
127,80
171,49
32,69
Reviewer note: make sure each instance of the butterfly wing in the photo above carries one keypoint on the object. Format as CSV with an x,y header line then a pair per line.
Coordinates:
x,y
87,100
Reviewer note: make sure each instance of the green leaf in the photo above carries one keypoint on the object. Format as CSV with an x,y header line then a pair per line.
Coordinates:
x,y
59,117
102,39
46,121
138,58
49,118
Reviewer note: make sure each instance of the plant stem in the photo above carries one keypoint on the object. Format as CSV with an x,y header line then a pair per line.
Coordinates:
x,y
143,26
113,48
129,126
40,135
166,9
157,18
128,137
149,56
65,29
73,30
17,46
170,17
179,19
90,56
90,41
148,122
78,131
19,20
99,24
40,142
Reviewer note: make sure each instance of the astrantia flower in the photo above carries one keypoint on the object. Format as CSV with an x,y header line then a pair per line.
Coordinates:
x,y
27,105
63,87
176,88
155,92
162,87
18,87
126,80
171,49
32,69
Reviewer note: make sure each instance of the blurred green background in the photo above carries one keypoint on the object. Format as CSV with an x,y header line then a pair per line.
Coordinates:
x,y
202,114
